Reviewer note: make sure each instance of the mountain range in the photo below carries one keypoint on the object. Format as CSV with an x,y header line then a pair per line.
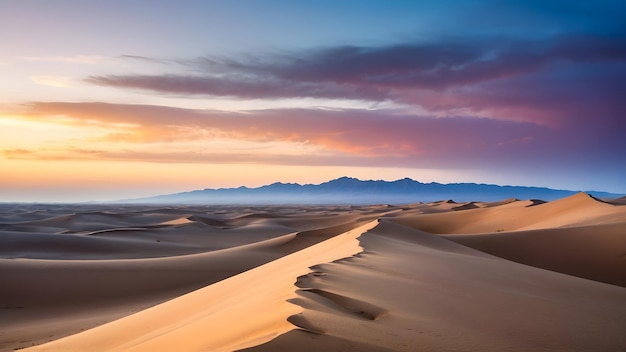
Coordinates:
x,y
347,190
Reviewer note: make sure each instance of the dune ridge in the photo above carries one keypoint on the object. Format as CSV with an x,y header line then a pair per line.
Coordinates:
x,y
259,294
436,295
61,284
577,210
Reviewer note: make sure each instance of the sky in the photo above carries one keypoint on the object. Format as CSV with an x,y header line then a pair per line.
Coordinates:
x,y
105,100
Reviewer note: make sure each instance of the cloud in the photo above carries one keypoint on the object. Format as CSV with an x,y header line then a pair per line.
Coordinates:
x,y
191,157
439,65
586,97
17,153
433,66
550,81
77,59
52,81
383,136
141,58
241,87
317,137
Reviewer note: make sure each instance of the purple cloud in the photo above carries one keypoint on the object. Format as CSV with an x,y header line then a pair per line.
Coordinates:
x,y
569,79
241,87
384,137
372,73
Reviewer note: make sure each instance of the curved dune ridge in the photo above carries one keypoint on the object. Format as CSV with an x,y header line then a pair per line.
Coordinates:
x,y
474,276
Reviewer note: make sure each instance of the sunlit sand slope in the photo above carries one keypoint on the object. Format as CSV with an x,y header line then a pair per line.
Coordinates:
x,y
237,312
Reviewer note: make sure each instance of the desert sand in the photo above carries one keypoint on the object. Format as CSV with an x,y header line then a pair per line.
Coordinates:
x,y
515,275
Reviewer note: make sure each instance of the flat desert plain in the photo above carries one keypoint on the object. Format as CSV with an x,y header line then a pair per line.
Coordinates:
x,y
516,275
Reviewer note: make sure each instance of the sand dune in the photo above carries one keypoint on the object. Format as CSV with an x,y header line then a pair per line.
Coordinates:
x,y
444,276
577,210
234,313
412,291
596,252
618,201
66,282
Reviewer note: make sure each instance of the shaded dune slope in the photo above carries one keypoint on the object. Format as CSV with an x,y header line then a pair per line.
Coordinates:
x,y
595,252
578,235
412,291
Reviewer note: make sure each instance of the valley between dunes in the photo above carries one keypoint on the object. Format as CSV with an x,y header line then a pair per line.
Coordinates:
x,y
515,275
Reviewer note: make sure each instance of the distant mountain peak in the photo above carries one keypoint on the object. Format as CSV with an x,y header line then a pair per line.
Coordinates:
x,y
345,179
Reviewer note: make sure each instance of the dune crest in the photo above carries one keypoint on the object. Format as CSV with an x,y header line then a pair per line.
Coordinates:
x,y
413,291
212,318
576,210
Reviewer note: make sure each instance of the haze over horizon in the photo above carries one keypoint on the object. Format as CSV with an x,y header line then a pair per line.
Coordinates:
x,y
109,100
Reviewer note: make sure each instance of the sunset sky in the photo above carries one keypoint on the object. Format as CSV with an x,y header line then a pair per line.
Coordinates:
x,y
102,100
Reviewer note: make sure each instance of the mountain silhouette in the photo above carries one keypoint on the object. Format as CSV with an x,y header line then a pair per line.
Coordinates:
x,y
348,190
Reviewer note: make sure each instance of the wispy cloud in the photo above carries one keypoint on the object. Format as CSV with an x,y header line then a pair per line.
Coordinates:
x,y
241,87
384,136
479,77
52,81
433,66
189,157
77,59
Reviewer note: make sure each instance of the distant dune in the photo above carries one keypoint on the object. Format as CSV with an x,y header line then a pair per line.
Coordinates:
x,y
523,275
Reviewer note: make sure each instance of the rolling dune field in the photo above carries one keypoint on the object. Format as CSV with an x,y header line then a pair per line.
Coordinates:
x,y
515,275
